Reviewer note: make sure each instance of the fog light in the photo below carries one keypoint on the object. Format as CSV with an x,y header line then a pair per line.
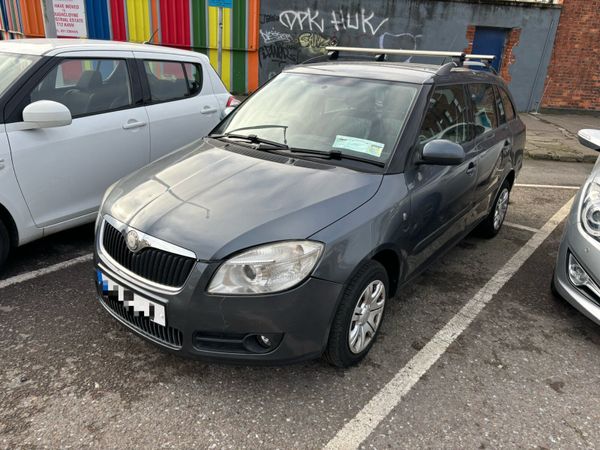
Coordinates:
x,y
577,274
264,341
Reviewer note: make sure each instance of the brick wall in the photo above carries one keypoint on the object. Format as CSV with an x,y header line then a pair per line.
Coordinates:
x,y
573,80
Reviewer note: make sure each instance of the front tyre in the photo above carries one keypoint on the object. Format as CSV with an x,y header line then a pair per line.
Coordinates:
x,y
4,245
492,224
359,316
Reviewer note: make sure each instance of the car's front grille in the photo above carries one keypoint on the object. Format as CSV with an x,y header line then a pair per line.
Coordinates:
x,y
158,266
167,335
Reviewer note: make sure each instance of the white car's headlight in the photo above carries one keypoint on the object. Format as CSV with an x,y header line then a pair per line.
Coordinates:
x,y
268,268
590,212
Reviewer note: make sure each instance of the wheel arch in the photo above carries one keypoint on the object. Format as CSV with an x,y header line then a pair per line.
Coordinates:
x,y
7,218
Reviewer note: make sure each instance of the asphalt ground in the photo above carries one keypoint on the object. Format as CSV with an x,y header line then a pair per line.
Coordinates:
x,y
475,353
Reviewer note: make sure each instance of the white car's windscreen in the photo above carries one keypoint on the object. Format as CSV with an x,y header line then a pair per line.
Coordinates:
x,y
12,66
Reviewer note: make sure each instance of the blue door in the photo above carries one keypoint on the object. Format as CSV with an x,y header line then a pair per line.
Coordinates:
x,y
490,41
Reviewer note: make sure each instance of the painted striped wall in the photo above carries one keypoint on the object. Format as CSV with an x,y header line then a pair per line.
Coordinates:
x,y
189,24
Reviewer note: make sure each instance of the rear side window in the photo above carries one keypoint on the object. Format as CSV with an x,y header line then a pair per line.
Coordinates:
x,y
506,105
484,107
447,116
171,80
87,86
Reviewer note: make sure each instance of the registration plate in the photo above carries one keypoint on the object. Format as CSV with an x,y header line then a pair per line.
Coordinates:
x,y
139,305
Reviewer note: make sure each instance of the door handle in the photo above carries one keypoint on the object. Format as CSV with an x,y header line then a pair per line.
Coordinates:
x,y
133,124
208,110
471,168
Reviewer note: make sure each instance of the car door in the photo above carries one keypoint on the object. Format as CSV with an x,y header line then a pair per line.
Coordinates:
x,y
441,196
493,143
64,171
180,101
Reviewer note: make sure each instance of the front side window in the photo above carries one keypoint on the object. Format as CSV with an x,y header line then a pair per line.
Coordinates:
x,y
484,107
353,116
86,86
447,116
172,80
12,66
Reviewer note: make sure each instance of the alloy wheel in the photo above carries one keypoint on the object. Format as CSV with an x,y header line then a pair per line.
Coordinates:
x,y
501,208
367,316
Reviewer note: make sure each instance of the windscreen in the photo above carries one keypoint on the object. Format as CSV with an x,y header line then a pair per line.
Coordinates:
x,y
12,66
327,113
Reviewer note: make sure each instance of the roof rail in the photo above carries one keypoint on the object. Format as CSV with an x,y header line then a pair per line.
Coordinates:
x,y
333,52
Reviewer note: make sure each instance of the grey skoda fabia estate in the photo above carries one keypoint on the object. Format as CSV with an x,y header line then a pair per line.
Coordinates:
x,y
284,234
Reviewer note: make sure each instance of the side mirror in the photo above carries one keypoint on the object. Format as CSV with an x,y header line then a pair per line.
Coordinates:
x,y
46,114
590,138
441,152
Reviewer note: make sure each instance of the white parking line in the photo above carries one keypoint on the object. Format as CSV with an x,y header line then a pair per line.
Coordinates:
x,y
46,270
376,410
547,186
518,226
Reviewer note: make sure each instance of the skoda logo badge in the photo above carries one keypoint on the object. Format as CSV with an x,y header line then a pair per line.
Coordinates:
x,y
133,241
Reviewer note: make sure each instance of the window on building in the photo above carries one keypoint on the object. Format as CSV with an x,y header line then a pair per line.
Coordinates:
x,y
169,80
484,107
447,116
87,86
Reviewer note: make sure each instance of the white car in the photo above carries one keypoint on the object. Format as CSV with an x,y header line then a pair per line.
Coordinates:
x,y
77,115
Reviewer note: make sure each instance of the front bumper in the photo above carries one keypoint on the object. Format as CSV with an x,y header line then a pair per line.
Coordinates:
x,y
586,251
200,325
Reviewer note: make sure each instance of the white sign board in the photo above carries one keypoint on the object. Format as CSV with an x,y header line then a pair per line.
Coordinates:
x,y
69,16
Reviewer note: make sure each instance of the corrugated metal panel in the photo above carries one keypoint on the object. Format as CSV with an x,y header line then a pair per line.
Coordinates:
x,y
117,16
33,18
138,20
3,21
175,22
11,23
98,21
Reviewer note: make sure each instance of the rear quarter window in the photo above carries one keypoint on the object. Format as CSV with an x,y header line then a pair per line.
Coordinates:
x,y
484,107
172,80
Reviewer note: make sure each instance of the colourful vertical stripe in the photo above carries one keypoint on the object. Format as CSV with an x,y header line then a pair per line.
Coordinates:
x,y
98,21
199,19
253,43
33,20
117,16
175,22
238,78
138,20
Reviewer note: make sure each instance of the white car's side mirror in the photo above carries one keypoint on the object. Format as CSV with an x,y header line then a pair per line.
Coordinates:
x,y
590,138
46,114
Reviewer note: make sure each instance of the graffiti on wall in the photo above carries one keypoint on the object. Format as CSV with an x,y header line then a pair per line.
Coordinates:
x,y
341,20
293,35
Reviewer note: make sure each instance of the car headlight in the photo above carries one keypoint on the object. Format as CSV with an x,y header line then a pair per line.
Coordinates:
x,y
590,212
266,269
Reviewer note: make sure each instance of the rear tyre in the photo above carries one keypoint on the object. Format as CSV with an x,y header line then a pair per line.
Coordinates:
x,y
359,316
492,224
4,245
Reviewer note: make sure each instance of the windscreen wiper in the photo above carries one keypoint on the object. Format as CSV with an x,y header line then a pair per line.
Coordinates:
x,y
335,154
251,138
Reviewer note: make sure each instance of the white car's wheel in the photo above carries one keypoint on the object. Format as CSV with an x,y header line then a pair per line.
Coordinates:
x,y
4,244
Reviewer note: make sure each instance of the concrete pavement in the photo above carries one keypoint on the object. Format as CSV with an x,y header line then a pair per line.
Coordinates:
x,y
554,137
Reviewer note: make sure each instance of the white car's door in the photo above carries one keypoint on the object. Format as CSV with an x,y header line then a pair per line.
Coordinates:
x,y
64,171
181,103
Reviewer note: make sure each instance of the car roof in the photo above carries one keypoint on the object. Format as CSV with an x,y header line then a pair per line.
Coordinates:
x,y
51,47
393,71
